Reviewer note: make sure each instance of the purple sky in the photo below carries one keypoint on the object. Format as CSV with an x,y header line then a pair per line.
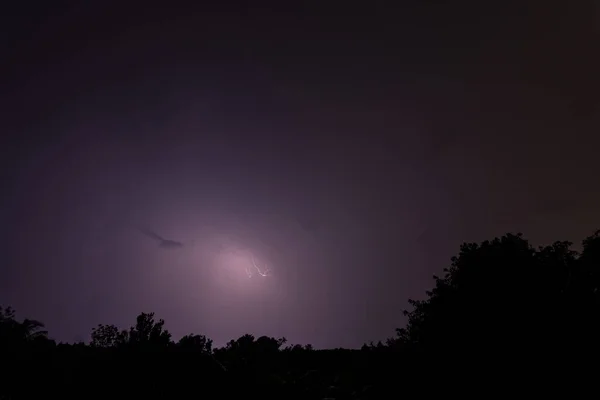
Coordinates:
x,y
350,150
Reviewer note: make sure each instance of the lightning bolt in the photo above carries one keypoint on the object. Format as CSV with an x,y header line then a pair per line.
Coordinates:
x,y
265,272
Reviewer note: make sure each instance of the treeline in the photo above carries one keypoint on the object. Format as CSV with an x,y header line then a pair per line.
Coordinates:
x,y
503,315
144,360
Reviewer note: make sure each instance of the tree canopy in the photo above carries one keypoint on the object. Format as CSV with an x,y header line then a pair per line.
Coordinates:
x,y
504,293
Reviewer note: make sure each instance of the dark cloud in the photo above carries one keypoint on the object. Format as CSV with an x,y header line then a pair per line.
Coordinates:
x,y
162,242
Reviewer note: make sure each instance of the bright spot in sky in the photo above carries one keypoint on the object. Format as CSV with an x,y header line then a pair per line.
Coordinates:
x,y
236,268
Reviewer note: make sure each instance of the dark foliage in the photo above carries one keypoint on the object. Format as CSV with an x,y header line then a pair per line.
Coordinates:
x,y
505,316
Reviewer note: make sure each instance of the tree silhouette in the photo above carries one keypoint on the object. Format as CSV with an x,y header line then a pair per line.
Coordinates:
x,y
265,344
197,343
299,348
14,332
248,346
148,332
108,336
504,297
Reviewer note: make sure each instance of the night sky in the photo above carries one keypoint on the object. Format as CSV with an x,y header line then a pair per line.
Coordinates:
x,y
348,150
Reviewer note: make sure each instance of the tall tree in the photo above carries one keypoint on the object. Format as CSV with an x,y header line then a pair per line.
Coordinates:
x,y
502,295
